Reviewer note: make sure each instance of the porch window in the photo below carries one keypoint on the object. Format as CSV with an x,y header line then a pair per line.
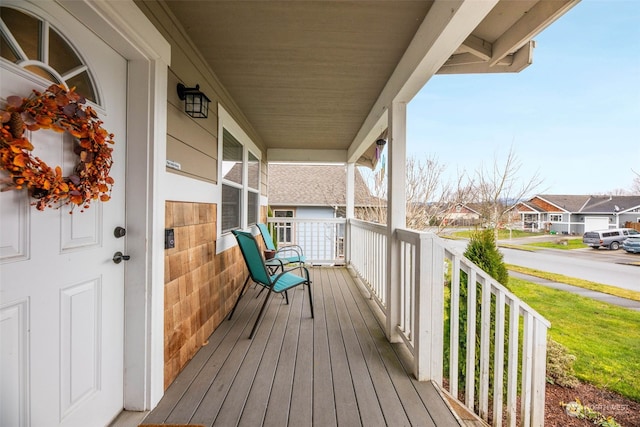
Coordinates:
x,y
555,217
240,179
253,204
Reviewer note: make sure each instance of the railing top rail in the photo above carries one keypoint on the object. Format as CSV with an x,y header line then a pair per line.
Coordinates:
x,y
373,226
308,220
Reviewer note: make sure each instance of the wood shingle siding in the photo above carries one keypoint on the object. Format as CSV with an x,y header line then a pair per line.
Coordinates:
x,y
200,286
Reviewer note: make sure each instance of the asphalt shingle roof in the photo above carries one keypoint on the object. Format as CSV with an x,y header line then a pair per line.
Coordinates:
x,y
314,185
592,204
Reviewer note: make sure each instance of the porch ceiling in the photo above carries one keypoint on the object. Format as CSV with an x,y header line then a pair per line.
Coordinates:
x,y
313,74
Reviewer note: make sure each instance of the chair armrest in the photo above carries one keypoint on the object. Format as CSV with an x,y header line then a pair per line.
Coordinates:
x,y
291,248
303,271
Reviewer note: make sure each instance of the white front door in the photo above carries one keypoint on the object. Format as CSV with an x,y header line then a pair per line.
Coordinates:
x,y
61,294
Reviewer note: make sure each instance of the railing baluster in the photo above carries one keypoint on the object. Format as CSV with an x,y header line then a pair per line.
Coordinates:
x,y
498,362
527,368
539,372
454,330
470,386
512,364
485,330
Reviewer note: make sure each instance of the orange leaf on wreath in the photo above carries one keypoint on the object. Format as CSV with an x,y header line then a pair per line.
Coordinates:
x,y
21,144
44,121
104,198
19,161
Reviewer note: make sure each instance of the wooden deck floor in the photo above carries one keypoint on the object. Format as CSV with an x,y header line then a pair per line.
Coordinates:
x,y
336,369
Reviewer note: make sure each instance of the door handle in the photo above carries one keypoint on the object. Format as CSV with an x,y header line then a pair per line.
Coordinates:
x,y
118,257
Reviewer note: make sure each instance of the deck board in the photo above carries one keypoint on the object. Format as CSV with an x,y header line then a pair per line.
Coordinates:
x,y
335,369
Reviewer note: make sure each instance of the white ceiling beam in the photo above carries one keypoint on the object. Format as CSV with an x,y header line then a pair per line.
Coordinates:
x,y
477,47
509,64
533,22
470,58
447,24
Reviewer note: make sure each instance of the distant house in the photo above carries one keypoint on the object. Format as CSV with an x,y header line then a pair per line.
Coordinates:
x,y
318,192
575,214
464,214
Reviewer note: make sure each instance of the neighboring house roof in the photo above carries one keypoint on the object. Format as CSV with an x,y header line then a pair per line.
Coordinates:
x,y
528,207
315,185
584,203
608,204
564,202
473,208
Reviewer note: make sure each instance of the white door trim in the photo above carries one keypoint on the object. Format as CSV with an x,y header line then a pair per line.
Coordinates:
x,y
127,30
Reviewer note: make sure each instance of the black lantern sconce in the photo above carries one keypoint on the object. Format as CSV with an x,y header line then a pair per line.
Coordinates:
x,y
196,103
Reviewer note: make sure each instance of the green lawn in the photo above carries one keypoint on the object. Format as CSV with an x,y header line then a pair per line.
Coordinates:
x,y
604,338
570,244
502,234
554,277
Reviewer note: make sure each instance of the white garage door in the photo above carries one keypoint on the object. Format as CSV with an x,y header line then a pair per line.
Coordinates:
x,y
596,223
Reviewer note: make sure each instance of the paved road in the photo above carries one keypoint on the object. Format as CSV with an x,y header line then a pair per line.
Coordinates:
x,y
613,268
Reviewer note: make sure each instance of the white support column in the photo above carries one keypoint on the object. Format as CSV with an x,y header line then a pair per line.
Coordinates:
x,y
351,211
396,211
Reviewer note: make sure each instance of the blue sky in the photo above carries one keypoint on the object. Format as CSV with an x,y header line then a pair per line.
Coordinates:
x,y
573,115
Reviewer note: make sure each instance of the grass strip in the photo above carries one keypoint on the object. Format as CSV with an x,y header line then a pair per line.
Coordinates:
x,y
598,287
604,338
502,234
570,244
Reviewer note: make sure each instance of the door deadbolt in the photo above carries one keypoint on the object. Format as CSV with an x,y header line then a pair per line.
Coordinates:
x,y
119,232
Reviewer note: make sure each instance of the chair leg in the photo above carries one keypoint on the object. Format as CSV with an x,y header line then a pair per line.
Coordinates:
x,y
264,305
286,296
310,299
239,296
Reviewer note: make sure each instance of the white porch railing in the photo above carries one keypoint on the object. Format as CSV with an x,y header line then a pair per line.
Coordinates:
x,y
449,309
322,240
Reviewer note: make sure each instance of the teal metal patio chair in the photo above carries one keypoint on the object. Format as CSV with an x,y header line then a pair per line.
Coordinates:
x,y
260,274
289,254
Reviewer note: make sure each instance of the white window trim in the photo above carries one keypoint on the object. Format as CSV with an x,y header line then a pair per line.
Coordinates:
x,y
225,121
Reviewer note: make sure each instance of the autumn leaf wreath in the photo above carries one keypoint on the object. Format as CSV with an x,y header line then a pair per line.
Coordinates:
x,y
60,110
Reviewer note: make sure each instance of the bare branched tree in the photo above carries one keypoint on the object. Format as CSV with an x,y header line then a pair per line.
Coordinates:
x,y
426,192
428,195
499,188
635,186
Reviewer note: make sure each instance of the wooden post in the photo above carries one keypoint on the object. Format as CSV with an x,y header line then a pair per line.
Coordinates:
x,y
350,213
429,310
396,212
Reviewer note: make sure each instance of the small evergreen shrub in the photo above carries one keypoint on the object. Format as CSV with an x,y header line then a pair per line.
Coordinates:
x,y
483,251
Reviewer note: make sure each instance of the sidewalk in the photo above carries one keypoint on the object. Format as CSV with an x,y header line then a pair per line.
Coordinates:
x,y
598,296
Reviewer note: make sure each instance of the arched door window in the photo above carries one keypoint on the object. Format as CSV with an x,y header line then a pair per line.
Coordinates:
x,y
35,45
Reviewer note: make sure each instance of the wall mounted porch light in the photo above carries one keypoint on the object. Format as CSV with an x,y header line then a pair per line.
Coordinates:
x,y
196,103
